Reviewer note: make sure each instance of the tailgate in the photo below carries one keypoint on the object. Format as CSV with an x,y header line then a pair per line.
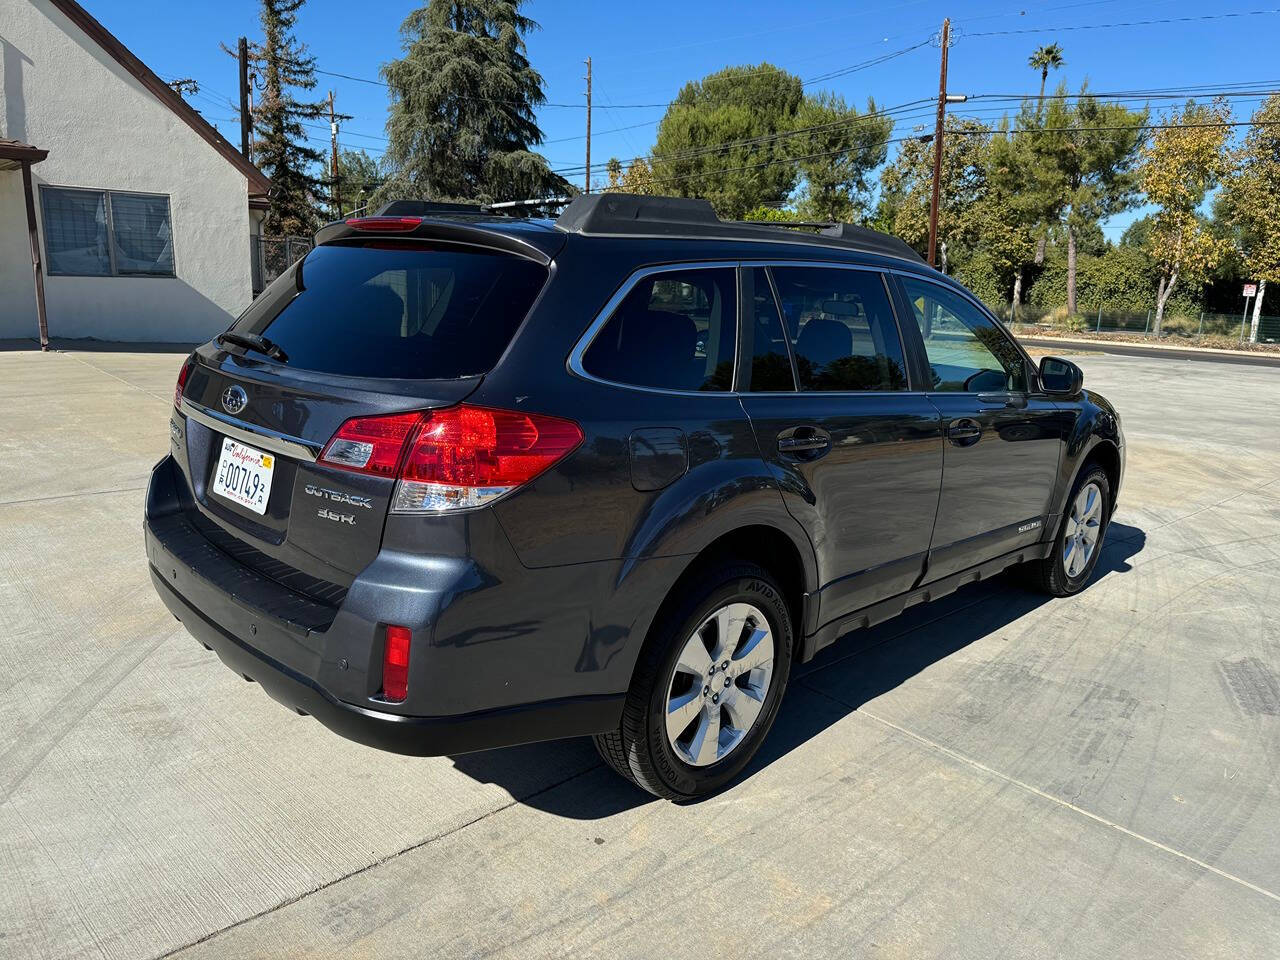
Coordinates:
x,y
321,520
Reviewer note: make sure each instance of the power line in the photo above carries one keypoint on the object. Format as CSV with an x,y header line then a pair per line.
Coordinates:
x,y
576,106
924,105
1127,23
874,61
992,133
889,112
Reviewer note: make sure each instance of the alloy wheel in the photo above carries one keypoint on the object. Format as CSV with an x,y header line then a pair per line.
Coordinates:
x,y
1084,525
718,687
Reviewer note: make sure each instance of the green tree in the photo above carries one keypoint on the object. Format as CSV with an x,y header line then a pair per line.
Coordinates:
x,y
1084,155
1251,196
358,178
700,150
279,142
1046,58
1024,193
836,151
463,98
906,187
1179,167
1003,222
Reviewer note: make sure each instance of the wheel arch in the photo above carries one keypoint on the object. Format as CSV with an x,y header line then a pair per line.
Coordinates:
x,y
1103,453
768,546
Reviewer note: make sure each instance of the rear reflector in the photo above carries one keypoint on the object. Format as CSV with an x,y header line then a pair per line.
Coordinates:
x,y
452,459
395,665
385,224
182,379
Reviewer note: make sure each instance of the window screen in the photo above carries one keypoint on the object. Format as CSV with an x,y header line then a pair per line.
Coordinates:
x,y
844,335
140,230
75,232
98,233
967,352
408,311
674,331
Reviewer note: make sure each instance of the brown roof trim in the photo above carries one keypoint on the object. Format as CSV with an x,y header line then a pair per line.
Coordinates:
x,y
16,150
258,182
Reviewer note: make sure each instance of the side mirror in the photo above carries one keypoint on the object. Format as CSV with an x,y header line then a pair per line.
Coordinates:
x,y
1060,378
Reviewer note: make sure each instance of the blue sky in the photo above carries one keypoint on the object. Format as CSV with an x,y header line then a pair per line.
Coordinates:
x,y
642,53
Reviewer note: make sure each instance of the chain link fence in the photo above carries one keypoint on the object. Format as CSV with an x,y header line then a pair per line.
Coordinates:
x,y
1191,327
272,256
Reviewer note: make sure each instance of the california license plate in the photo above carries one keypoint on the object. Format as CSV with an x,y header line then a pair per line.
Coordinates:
x,y
244,475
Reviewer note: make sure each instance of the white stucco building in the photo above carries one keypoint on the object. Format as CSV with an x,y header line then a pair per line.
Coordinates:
x,y
143,210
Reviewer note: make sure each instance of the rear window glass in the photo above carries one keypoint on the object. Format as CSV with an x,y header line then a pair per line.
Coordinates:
x,y
675,330
409,312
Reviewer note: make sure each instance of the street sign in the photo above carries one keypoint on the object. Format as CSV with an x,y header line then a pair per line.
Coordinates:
x,y
1250,290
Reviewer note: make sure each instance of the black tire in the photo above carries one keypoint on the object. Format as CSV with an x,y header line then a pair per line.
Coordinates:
x,y
1050,574
639,749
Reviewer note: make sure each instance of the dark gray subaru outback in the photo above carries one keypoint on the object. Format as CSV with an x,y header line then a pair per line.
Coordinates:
x,y
456,481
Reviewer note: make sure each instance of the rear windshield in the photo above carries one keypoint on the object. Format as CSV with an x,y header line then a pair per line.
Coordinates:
x,y
401,312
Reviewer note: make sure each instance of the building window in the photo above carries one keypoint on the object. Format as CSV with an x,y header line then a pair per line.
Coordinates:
x,y
104,233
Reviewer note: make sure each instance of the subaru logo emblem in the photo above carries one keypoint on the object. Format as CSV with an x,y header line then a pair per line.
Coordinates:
x,y
234,399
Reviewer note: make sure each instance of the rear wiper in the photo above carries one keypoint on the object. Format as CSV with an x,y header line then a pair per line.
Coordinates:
x,y
254,341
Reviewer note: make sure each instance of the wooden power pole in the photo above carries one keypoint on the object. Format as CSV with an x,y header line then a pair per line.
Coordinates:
x,y
587,186
333,145
246,120
937,145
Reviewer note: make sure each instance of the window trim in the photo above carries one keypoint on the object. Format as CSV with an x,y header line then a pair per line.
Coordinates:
x,y
106,195
574,363
1030,370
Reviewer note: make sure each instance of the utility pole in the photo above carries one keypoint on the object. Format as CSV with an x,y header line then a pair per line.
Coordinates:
x,y
587,187
333,144
937,144
246,122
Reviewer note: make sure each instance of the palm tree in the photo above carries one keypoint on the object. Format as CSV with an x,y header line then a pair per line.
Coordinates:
x,y
1046,58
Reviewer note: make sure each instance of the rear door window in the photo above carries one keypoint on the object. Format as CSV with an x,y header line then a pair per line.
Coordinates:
x,y
406,311
674,330
844,336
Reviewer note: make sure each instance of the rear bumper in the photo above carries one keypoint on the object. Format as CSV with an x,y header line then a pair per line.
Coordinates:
x,y
326,662
416,736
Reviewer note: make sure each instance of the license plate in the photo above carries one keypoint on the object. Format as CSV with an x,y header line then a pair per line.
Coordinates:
x,y
244,475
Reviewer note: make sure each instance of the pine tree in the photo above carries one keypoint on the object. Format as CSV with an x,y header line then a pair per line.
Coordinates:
x,y
462,106
279,145
719,139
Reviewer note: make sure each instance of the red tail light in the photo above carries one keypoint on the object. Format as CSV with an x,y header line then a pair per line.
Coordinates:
x,y
182,379
385,224
395,664
455,458
371,444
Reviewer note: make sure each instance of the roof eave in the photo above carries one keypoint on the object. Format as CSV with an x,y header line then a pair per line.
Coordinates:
x,y
259,184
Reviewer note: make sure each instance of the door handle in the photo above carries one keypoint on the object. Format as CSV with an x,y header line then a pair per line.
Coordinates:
x,y
805,442
964,432
799,444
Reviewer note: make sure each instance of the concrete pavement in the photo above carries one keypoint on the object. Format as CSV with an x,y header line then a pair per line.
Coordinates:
x,y
993,774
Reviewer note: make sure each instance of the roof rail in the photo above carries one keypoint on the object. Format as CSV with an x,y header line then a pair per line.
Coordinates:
x,y
624,214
